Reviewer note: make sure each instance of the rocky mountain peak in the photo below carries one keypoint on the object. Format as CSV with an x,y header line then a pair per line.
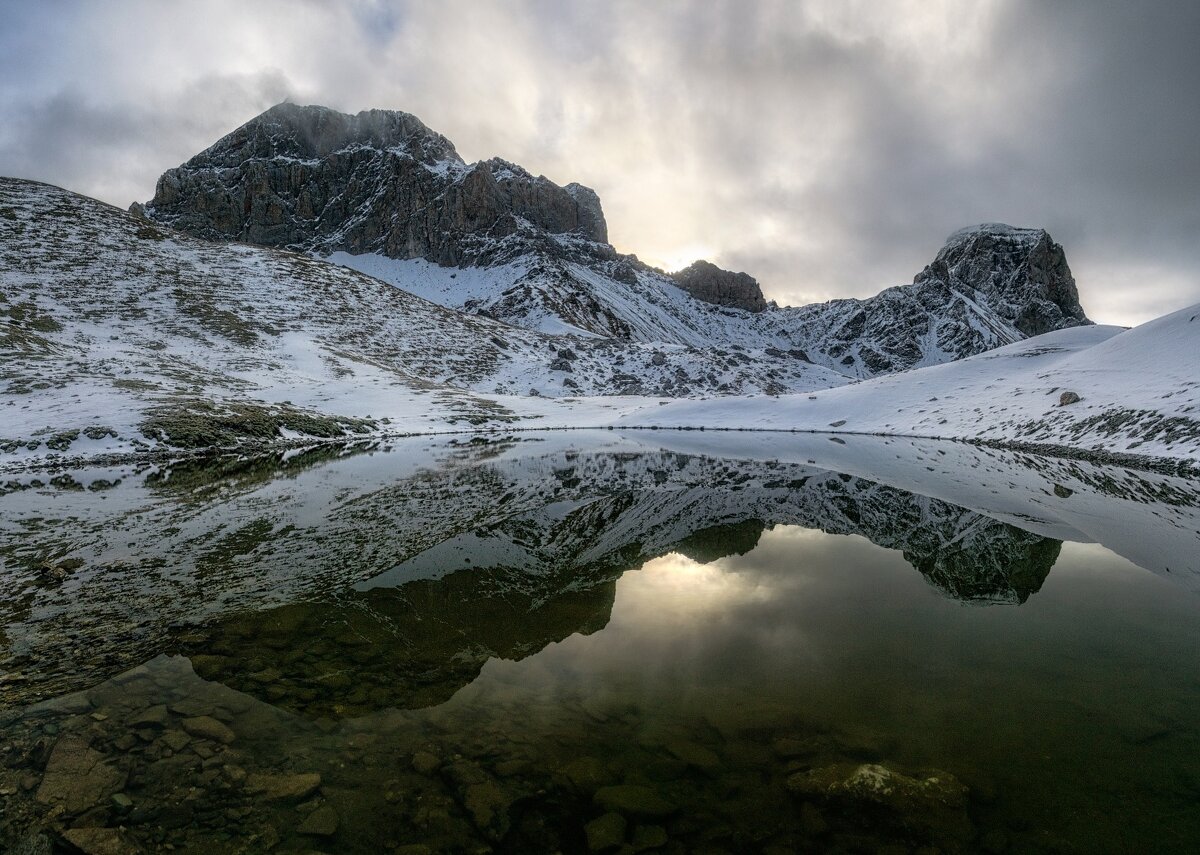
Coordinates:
x,y
705,281
305,132
311,178
1023,273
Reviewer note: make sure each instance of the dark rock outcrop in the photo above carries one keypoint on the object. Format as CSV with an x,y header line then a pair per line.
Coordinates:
x,y
989,285
705,281
381,181
1022,273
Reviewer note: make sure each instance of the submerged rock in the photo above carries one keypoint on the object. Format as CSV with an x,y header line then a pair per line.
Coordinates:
x,y
207,727
78,777
100,841
634,800
286,787
932,804
322,822
606,832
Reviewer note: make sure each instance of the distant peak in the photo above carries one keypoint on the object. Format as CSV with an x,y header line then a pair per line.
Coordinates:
x,y
705,281
1022,270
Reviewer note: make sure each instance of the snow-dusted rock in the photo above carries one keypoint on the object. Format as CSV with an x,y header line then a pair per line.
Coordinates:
x,y
379,181
1021,273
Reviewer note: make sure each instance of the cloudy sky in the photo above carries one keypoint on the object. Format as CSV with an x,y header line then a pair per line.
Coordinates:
x,y
826,147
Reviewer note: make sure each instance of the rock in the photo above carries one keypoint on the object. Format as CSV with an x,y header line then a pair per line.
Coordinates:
x,y
648,837
176,740
1068,398
121,802
284,787
586,774
78,777
635,800
605,833
191,708
207,727
488,805
931,803
34,843
322,822
696,756
705,281
789,747
155,716
100,841
425,762
379,181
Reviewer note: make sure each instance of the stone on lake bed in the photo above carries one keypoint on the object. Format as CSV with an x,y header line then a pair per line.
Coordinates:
x,y
634,800
155,716
100,841
78,776
695,755
176,740
648,837
322,822
606,833
425,762
587,774
291,787
934,802
207,727
191,707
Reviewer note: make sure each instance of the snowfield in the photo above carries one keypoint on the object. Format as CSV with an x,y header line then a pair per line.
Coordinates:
x,y
1138,390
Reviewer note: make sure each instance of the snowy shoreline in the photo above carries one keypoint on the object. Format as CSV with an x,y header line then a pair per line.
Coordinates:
x,y
1158,464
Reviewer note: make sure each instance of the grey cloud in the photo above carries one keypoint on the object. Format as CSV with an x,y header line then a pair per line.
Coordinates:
x,y
826,147
107,150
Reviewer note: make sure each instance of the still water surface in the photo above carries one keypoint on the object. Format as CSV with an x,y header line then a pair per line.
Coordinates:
x,y
564,650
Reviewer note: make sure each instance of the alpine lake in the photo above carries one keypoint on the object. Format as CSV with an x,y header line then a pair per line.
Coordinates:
x,y
690,642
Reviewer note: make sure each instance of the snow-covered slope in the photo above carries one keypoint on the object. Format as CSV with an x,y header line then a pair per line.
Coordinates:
x,y
1137,391
382,193
115,332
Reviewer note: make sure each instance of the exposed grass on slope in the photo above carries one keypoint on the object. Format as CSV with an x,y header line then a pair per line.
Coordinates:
x,y
201,424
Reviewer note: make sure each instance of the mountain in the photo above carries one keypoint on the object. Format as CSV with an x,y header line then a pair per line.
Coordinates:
x,y
384,194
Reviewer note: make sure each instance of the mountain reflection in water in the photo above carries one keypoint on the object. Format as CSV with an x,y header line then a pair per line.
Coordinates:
x,y
560,647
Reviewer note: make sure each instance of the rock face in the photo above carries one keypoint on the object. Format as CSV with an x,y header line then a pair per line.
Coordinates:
x,y
989,285
380,181
705,281
1022,273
